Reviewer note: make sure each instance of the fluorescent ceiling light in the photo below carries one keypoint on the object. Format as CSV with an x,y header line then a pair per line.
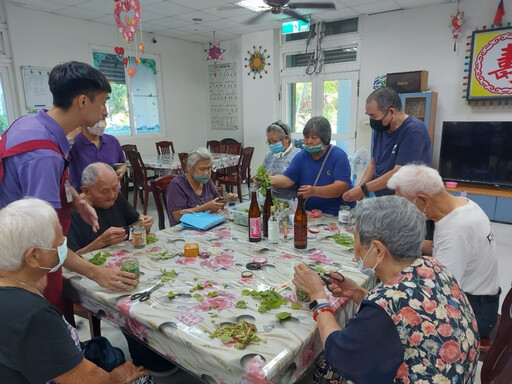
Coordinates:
x,y
253,5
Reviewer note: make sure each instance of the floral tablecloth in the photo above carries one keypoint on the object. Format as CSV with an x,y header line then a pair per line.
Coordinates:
x,y
172,162
179,328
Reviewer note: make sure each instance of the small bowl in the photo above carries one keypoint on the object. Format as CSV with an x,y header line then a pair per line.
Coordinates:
x,y
450,184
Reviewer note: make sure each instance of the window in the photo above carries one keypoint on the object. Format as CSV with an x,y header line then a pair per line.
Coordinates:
x,y
134,105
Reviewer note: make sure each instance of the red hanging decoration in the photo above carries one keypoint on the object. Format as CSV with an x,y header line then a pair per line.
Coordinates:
x,y
127,16
456,25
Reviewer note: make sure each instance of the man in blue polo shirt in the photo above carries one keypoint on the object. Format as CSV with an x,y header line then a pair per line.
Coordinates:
x,y
398,139
33,163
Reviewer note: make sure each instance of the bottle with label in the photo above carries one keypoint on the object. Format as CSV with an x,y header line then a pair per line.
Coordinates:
x,y
273,227
266,210
300,225
254,219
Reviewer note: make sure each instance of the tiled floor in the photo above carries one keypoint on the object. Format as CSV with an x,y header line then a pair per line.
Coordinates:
x,y
503,237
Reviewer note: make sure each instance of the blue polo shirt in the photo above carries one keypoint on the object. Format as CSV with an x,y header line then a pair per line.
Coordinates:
x,y
303,170
409,143
36,173
84,152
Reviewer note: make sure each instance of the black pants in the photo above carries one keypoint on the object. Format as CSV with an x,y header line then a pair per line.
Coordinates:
x,y
485,308
142,355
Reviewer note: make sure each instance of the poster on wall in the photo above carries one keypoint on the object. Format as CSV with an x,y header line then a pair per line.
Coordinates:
x,y
35,85
490,67
223,96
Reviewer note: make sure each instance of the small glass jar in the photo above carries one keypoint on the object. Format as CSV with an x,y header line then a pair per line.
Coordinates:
x,y
131,264
344,214
139,236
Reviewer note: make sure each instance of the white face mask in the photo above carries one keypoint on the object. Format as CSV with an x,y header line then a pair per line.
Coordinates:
x,y
98,128
424,209
62,251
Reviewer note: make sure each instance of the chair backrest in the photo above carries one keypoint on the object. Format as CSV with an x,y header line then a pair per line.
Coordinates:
x,y
245,169
183,156
506,312
164,147
497,363
228,140
139,172
159,189
129,147
213,146
234,148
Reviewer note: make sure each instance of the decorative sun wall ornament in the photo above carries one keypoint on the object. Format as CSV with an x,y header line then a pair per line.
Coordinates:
x,y
257,61
456,24
127,15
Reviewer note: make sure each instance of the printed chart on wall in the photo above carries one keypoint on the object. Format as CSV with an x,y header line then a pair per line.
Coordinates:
x,y
223,96
37,90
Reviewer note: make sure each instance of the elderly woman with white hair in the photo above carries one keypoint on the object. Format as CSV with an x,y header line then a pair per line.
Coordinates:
x,y
463,239
415,326
37,345
194,191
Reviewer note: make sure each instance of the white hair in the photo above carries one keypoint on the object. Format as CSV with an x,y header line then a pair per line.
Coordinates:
x,y
24,224
412,179
198,155
91,172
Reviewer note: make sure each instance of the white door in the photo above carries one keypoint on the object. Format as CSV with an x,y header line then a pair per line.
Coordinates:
x,y
7,110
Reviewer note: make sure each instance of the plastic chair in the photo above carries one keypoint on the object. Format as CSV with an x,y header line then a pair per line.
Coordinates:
x,y
498,362
140,179
242,174
164,147
214,146
159,189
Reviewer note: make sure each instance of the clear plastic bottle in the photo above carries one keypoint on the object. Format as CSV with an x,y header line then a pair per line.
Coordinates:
x,y
273,227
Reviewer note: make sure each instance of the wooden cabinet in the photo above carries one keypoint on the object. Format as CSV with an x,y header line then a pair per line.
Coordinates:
x,y
422,105
495,202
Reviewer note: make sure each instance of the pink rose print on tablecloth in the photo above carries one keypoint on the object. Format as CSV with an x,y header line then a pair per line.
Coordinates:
x,y
245,280
125,304
189,317
217,244
137,329
331,228
121,252
319,256
219,303
186,260
287,256
224,233
114,263
308,355
255,373
225,260
155,249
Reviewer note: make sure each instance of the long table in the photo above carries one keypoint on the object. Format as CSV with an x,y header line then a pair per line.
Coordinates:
x,y
171,162
207,291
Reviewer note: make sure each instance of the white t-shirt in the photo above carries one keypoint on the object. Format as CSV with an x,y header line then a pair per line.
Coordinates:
x,y
464,243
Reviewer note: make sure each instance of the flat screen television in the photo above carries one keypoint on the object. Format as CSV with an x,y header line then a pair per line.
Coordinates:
x,y
477,152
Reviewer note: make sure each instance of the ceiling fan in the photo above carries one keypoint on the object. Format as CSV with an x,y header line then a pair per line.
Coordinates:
x,y
277,7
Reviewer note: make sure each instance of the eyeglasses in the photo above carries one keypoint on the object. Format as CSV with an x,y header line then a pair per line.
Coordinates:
x,y
274,141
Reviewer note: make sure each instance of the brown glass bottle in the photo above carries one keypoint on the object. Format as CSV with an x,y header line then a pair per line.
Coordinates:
x,y
266,211
254,219
300,225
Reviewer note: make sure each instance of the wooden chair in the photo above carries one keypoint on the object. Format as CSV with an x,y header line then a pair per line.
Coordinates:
x,y
498,362
183,160
504,321
159,189
242,174
234,148
214,146
125,181
164,147
140,179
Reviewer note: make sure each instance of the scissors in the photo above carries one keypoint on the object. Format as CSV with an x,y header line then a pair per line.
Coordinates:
x,y
325,275
144,296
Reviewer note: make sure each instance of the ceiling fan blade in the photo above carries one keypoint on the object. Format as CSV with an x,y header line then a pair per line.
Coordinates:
x,y
294,14
256,18
312,5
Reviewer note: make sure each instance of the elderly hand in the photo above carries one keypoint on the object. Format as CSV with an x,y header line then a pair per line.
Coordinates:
x,y
231,197
147,222
88,214
112,236
215,205
127,372
353,194
308,280
306,191
114,279
347,288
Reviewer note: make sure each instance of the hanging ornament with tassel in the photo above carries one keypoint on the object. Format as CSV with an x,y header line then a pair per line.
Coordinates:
x,y
456,25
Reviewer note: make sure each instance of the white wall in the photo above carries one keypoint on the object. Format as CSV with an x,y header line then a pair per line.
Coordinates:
x,y
43,40
421,39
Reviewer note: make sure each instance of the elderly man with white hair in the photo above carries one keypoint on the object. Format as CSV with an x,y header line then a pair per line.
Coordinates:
x,y
463,238
38,345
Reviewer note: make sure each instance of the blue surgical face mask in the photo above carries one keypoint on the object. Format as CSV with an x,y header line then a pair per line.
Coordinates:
x,y
314,149
62,251
203,179
277,147
360,264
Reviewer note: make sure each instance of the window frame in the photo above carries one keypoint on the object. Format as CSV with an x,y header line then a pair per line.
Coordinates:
x,y
160,98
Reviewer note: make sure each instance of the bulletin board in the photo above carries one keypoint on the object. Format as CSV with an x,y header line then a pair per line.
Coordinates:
x,y
35,85
223,96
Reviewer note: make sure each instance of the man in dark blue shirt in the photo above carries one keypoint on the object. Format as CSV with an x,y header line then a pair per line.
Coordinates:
x,y
398,139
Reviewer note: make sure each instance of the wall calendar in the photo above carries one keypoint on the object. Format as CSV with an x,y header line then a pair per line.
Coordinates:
x,y
223,96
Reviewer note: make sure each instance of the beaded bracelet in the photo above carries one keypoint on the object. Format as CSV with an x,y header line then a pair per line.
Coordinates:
x,y
326,309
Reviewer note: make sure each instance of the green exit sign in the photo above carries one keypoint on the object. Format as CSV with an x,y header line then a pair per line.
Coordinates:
x,y
294,26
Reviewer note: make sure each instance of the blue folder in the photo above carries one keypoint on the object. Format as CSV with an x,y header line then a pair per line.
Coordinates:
x,y
201,220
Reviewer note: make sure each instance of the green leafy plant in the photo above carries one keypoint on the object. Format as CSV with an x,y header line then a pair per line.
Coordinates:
x,y
241,304
167,275
99,258
240,334
150,239
295,306
344,239
283,316
171,295
270,299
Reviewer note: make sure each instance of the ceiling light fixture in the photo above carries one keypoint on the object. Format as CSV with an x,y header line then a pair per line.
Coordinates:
x,y
197,19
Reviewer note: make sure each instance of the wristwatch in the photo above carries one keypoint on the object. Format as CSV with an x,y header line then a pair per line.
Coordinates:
x,y
364,188
317,302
